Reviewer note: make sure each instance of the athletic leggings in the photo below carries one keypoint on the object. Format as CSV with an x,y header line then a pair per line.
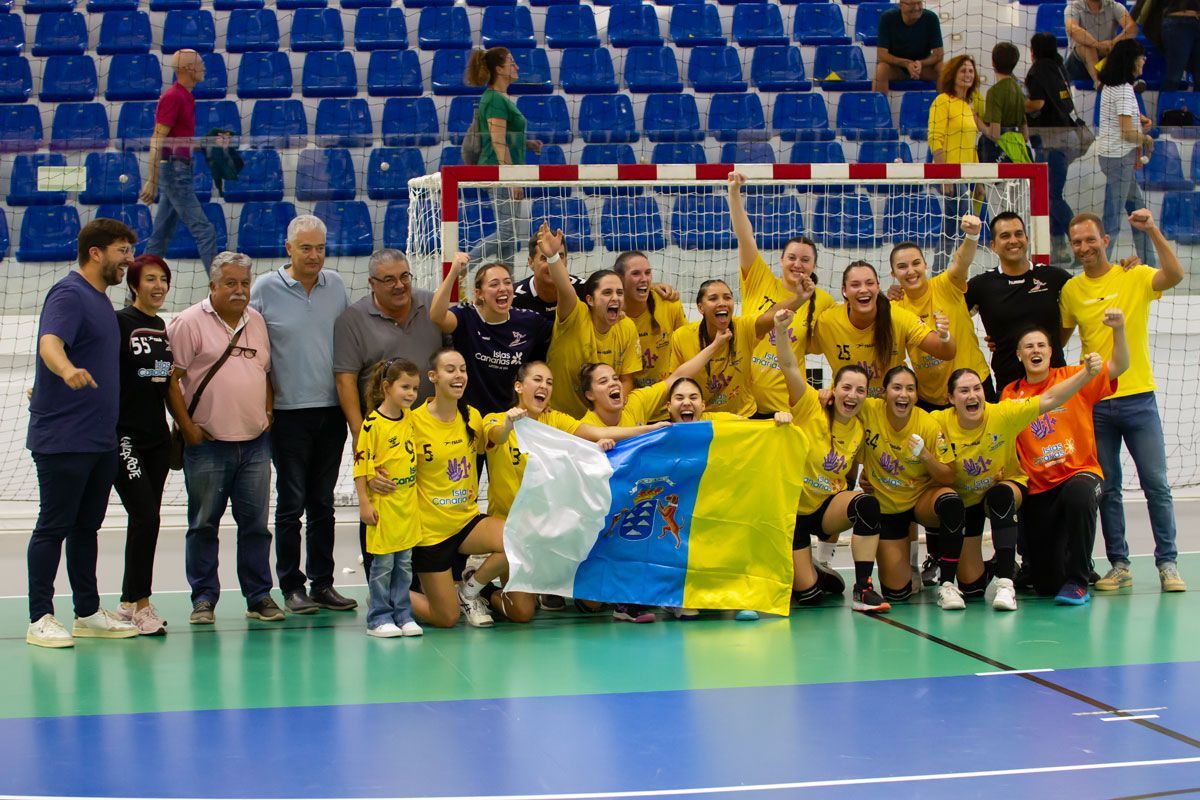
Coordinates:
x,y
141,475
1060,526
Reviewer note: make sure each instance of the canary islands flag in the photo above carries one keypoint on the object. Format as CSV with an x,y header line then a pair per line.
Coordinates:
x,y
697,515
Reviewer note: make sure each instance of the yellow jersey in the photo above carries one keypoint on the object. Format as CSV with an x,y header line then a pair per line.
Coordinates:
x,y
506,462
933,374
388,443
655,346
986,455
842,343
897,477
1083,302
952,127
727,380
641,406
577,342
447,484
829,454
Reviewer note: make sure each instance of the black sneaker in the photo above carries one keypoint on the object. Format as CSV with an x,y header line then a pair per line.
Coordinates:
x,y
812,596
202,613
828,579
331,599
551,602
868,601
298,602
266,610
930,571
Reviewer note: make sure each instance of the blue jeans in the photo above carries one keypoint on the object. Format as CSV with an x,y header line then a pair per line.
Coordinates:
x,y
1181,49
215,474
391,575
1060,211
1134,419
1122,190
177,201
502,245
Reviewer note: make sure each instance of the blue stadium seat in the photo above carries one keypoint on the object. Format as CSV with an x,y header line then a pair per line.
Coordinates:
x,y
914,114
846,62
587,71
221,114
124,32
443,27
1187,100
1050,20
507,26
631,223
183,245
802,116
60,34
568,213
1164,173
865,115
265,75
533,69
821,24
672,118
22,185
776,218
100,6
12,34
111,178
866,22
609,154
460,116
913,216
701,222
48,233
281,123
325,175
546,118
233,5
135,124
756,24
715,69
355,4
16,80
391,183
67,79
678,153
747,153
190,30
607,118
1195,174
136,215
427,3
380,29
261,178
394,73
20,128
633,24
734,117
216,78
571,26
292,5
317,29
844,221
395,225
47,6
652,69
134,77
79,126
349,228
447,76
778,68
695,24
329,74
174,5
4,242
1181,217
817,152
252,30
884,152
410,121
343,123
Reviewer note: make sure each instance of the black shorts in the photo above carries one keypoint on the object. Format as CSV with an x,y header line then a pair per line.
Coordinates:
x,y
895,526
440,557
809,525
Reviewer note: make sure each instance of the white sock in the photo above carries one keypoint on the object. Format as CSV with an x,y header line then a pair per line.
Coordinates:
x,y
825,551
472,587
914,554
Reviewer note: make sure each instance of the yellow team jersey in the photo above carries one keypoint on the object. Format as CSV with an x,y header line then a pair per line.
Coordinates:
x,y
388,443
641,407
1083,302
727,380
447,486
506,462
830,452
932,373
898,478
841,343
986,455
761,289
655,346
577,342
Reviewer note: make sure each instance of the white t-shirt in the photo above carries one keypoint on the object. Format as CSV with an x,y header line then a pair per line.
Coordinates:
x,y
1115,102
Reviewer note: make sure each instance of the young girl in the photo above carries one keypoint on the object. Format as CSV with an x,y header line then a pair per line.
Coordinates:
x,y
392,519
656,319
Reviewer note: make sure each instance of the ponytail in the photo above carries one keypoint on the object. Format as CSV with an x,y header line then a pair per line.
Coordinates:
x,y
619,268
882,335
482,65
384,373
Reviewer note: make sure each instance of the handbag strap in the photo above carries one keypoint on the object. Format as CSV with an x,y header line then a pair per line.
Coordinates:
x,y
208,377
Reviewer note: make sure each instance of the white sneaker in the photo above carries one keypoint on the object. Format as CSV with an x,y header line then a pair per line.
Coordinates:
x,y
48,632
388,630
474,609
949,598
1005,597
148,622
411,628
104,625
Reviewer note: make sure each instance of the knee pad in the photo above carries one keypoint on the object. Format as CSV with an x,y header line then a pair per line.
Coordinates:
x,y
950,512
896,595
801,538
865,513
1001,504
976,587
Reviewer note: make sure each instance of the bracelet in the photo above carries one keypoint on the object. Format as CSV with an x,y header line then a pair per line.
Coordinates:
x,y
974,237
554,259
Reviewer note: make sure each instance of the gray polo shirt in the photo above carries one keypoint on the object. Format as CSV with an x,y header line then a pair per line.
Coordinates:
x,y
300,325
363,337
1103,25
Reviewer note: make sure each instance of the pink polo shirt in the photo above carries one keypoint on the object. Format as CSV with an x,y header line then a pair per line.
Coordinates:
x,y
233,407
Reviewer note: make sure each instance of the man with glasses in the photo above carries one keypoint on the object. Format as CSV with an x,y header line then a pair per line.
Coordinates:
x,y
909,47
221,343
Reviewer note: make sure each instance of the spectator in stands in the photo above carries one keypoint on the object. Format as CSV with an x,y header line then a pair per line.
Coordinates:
x,y
502,141
169,175
1094,28
910,45
954,124
1122,138
1005,134
220,346
1181,44
144,440
73,435
300,303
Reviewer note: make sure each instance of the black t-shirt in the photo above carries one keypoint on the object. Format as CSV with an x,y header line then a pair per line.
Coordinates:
x,y
524,296
1047,81
494,353
1011,304
145,374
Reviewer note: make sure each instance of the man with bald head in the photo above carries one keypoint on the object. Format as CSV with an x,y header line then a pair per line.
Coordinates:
x,y
170,172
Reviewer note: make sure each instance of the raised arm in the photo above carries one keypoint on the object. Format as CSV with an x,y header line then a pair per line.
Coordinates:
x,y
439,308
1171,272
742,229
960,265
691,368
1060,393
940,472
766,320
1119,362
550,244
938,342
788,364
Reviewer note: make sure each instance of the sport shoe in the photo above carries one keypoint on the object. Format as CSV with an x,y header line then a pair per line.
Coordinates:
x,y
388,630
1168,576
411,628
1005,597
746,615
266,610
1023,581
551,602
1119,577
828,578
628,612
202,613
684,614
930,571
950,598
103,625
474,609
1072,594
48,632
125,611
297,601
148,622
868,601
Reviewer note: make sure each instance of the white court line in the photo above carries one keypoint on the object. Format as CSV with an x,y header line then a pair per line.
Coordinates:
x,y
156,593
1013,672
765,787
1123,719
1118,711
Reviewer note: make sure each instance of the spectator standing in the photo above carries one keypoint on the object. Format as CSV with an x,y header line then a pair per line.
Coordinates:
x,y
1181,44
910,45
538,292
954,123
1005,134
1094,28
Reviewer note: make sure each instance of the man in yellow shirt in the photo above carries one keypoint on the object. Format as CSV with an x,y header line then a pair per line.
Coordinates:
x,y
1131,413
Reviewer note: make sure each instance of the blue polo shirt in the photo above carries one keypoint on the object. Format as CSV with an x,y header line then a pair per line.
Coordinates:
x,y
300,326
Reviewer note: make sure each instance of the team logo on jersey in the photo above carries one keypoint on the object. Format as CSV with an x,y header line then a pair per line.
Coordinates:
x,y
834,462
652,512
518,339
717,383
890,464
359,456
458,469
976,466
1043,426
996,444
1039,285
649,359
